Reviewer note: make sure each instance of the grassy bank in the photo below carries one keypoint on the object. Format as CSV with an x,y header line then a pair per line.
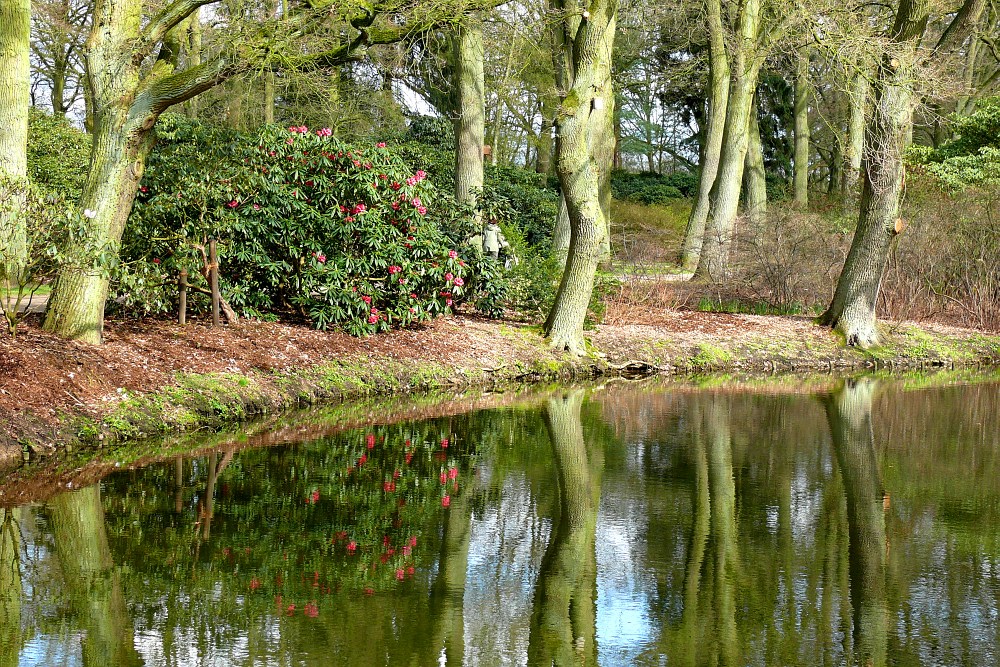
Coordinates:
x,y
162,379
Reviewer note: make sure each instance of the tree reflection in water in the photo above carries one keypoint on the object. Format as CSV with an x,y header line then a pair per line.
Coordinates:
x,y
91,578
563,622
11,590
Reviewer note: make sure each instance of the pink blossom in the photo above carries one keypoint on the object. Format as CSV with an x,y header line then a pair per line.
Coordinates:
x,y
366,299
452,254
421,174
459,282
412,180
256,207
449,277
446,501
321,258
372,319
394,269
422,210
380,144
415,201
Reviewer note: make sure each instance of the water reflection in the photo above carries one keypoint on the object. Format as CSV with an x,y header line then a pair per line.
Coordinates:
x,y
858,526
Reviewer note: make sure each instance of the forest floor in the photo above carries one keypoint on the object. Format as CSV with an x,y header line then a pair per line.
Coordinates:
x,y
154,376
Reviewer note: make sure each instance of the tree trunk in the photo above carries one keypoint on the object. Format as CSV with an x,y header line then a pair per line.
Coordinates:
x,y
725,197
118,157
15,31
849,413
754,176
583,162
126,105
802,94
470,119
711,136
194,57
852,311
858,100
543,157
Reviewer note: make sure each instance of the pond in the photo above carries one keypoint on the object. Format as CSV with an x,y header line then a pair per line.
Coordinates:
x,y
638,524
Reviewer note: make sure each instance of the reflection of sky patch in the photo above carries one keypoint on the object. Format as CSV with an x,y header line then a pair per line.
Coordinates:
x,y
624,586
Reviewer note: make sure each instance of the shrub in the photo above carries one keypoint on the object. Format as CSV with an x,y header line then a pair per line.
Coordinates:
x,y
646,187
339,232
58,155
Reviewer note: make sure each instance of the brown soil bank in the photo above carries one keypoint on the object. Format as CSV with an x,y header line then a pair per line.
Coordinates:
x,y
156,377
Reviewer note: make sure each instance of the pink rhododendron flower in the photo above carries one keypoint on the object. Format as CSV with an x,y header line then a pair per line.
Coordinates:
x,y
366,299
459,282
452,254
411,181
372,319
394,269
321,258
452,473
233,203
449,277
415,201
422,210
380,144
256,207
370,440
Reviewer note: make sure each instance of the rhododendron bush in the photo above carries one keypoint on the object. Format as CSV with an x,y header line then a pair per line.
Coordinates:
x,y
338,233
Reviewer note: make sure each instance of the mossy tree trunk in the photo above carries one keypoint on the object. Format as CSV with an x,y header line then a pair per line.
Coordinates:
x,y
852,311
470,112
849,412
745,63
718,94
803,93
15,31
583,66
563,620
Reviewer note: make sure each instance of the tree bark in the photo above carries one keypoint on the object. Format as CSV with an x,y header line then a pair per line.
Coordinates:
x,y
711,153
15,31
754,176
583,66
725,196
803,92
470,118
858,100
852,311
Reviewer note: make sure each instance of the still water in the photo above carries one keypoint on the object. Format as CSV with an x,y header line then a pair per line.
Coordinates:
x,y
629,525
